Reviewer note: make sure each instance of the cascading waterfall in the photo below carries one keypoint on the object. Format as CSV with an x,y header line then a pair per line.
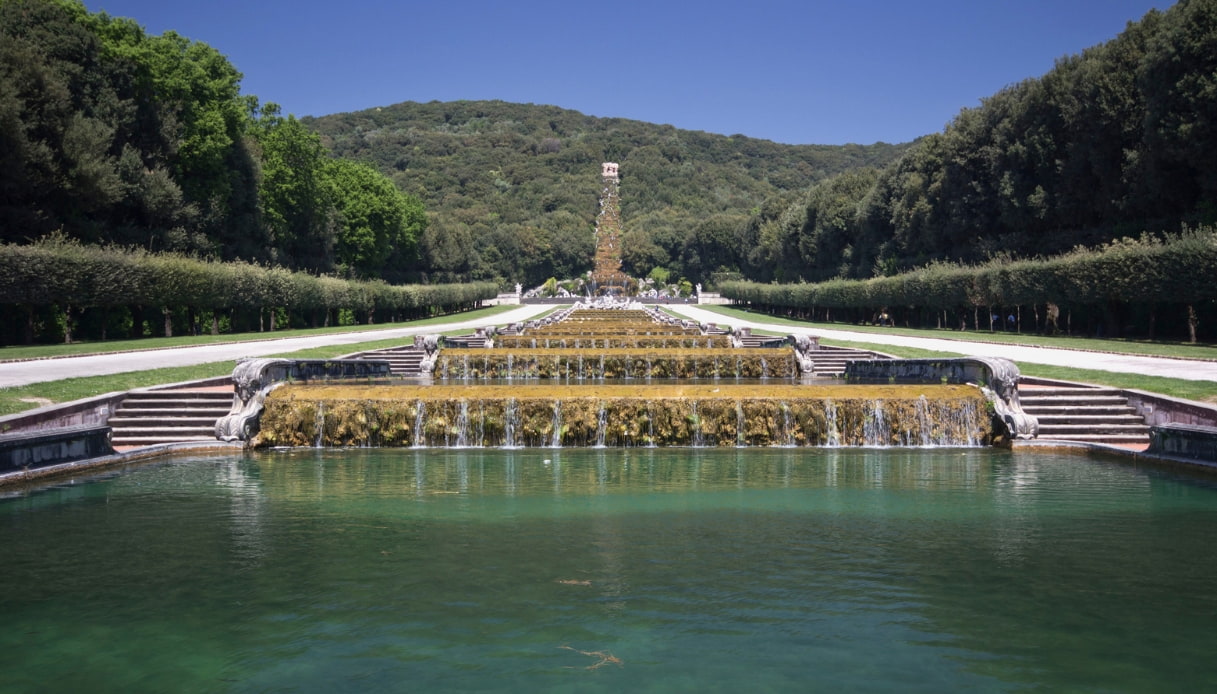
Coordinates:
x,y
787,429
874,429
420,440
557,425
462,425
925,426
687,399
320,424
698,437
601,426
740,426
832,431
651,425
711,418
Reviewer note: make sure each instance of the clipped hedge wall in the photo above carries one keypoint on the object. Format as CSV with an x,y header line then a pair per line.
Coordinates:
x,y
57,277
1121,284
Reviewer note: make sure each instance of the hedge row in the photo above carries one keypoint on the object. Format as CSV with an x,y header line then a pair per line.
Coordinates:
x,y
1181,269
71,277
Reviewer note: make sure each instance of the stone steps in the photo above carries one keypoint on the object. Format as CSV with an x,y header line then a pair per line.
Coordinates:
x,y
1084,413
403,361
831,361
146,418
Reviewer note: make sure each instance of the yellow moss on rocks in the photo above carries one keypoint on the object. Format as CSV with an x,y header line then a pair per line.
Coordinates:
x,y
666,415
617,363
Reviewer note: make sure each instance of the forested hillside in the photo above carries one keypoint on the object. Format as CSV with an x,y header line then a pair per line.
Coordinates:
x,y
511,189
1114,141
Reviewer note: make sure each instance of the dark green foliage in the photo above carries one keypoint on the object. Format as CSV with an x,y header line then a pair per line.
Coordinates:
x,y
1109,288
112,135
1115,141
71,277
512,189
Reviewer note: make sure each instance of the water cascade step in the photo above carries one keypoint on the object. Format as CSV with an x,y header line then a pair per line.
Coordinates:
x,y
578,366
624,415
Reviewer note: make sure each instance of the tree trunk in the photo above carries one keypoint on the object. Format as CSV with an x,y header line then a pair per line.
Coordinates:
x,y
272,320
1192,322
215,322
137,322
67,324
168,314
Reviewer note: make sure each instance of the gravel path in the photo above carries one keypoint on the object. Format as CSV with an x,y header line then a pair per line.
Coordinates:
x,y
26,372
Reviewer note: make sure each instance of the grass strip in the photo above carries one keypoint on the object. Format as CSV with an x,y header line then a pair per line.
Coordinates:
x,y
21,398
1179,350
1200,391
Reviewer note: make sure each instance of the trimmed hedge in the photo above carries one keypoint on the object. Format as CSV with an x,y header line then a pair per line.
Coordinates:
x,y
73,277
1124,276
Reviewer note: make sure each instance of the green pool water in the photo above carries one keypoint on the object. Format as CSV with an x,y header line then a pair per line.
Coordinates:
x,y
664,570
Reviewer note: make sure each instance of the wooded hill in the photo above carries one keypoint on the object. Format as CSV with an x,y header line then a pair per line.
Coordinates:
x,y
511,190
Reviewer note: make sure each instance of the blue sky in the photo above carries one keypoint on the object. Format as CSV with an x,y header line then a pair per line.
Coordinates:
x,y
810,72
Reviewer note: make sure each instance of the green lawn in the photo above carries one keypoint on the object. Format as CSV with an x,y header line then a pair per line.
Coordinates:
x,y
78,348
13,400
1181,350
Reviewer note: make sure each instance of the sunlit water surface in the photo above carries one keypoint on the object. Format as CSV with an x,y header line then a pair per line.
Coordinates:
x,y
661,570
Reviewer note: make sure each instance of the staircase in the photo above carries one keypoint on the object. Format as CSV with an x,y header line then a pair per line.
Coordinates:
x,y
1084,413
830,361
147,418
403,361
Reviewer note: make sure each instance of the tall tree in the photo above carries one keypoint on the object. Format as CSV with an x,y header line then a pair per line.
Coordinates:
x,y
376,220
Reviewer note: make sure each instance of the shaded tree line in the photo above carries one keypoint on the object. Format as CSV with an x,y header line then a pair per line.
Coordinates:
x,y
1111,142
115,136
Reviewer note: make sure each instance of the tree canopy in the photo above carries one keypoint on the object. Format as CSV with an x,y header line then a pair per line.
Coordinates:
x,y
1116,140
111,135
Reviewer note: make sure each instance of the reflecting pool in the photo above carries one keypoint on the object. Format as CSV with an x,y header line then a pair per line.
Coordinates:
x,y
664,570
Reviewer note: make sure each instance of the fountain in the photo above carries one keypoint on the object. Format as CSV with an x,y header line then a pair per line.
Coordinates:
x,y
613,373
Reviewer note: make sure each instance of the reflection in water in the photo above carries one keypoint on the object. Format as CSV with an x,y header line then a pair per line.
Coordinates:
x,y
700,569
